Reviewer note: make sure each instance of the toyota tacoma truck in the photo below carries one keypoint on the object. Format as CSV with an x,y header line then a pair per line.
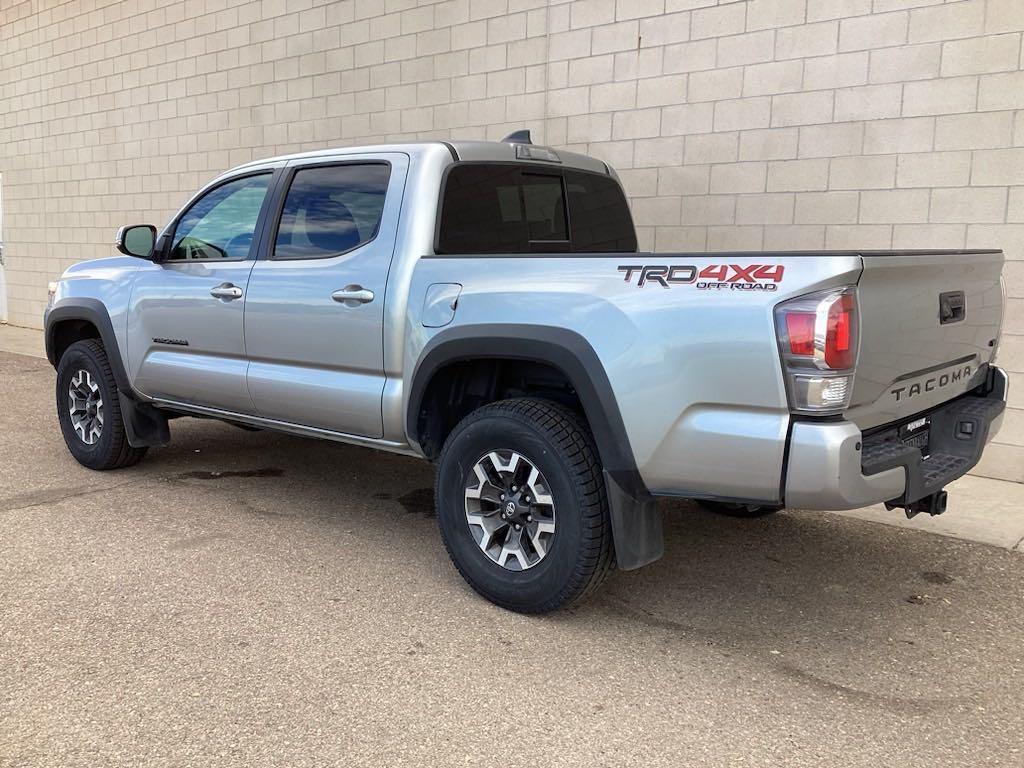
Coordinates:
x,y
483,305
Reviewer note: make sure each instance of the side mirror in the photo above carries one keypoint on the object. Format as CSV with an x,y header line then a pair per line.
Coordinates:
x,y
137,240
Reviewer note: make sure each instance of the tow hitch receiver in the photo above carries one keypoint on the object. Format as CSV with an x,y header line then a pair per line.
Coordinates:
x,y
933,504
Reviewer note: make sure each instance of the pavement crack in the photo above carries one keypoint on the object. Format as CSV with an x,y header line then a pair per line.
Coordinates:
x,y
910,705
43,498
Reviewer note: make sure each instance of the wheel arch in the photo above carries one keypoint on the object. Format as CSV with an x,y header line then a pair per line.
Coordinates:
x,y
74,319
565,351
636,528
77,318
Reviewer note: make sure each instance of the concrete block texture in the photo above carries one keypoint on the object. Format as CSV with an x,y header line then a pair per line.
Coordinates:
x,y
736,123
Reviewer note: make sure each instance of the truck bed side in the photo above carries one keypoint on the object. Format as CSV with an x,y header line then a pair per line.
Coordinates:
x,y
686,340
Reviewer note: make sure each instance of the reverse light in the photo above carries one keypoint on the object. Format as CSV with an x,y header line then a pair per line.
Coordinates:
x,y
818,340
822,392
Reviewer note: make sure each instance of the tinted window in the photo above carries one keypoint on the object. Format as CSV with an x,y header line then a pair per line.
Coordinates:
x,y
502,209
599,214
331,210
220,224
517,209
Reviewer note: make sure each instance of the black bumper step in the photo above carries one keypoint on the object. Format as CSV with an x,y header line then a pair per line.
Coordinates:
x,y
958,432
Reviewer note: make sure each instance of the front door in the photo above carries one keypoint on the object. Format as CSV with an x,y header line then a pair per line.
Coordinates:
x,y
315,306
185,330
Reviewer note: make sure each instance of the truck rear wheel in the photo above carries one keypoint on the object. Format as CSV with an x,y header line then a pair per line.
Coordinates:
x,y
89,411
521,505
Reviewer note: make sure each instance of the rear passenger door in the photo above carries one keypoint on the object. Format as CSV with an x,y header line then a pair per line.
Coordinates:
x,y
314,308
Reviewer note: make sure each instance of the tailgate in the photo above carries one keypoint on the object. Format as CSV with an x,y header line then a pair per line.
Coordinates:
x,y
929,325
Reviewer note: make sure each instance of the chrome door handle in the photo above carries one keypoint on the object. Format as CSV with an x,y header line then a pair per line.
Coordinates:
x,y
353,295
226,291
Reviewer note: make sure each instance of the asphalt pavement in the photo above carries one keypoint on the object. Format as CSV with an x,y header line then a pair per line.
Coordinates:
x,y
254,599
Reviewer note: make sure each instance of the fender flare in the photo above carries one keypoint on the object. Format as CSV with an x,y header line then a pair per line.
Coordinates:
x,y
92,311
636,525
144,424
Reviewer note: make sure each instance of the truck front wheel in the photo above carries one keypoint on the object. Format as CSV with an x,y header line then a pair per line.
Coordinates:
x,y
89,411
522,507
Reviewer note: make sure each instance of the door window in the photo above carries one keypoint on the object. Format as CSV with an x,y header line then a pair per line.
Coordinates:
x,y
331,209
220,225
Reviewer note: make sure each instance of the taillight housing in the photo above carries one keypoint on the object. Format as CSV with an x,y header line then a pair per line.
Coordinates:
x,y
818,337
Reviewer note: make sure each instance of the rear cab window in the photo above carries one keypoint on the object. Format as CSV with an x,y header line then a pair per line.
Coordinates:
x,y
525,208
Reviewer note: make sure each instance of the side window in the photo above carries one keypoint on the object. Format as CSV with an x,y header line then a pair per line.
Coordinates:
x,y
599,214
502,209
331,209
220,224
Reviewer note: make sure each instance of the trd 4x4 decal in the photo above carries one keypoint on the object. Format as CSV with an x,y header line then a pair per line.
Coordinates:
x,y
715,277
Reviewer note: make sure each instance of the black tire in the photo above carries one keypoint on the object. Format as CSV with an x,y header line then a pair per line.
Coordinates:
x,y
111,449
732,509
580,554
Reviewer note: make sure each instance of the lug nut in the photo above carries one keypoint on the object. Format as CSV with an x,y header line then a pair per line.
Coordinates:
x,y
526,499
529,518
503,497
518,526
513,489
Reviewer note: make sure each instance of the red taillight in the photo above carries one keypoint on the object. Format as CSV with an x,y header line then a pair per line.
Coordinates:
x,y
838,349
800,332
819,330
817,336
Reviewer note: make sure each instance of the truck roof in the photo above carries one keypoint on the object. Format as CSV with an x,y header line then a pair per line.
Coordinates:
x,y
461,151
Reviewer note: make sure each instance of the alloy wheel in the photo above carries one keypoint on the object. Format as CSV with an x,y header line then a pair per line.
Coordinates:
x,y
86,407
509,509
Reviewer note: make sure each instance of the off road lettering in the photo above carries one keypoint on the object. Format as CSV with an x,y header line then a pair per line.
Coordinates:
x,y
763,277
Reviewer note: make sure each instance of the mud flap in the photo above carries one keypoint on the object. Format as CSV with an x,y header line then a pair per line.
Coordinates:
x,y
636,525
145,425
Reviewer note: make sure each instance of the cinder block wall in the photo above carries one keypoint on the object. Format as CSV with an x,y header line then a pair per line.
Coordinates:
x,y
736,125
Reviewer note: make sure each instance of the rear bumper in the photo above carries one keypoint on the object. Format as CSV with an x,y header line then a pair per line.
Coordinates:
x,y
834,466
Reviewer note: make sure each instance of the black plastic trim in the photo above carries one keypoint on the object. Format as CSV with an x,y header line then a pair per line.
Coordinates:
x,y
452,151
636,524
785,462
92,311
937,367
951,454
145,425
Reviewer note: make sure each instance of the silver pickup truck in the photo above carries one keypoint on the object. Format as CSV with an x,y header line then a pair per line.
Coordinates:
x,y
483,305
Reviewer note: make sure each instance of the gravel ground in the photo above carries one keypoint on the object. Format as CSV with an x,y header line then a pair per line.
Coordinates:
x,y
253,599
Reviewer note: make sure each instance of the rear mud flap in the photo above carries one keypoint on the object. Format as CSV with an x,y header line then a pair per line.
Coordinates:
x,y
636,526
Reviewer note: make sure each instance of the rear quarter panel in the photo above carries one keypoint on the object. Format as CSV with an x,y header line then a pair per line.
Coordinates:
x,y
695,371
